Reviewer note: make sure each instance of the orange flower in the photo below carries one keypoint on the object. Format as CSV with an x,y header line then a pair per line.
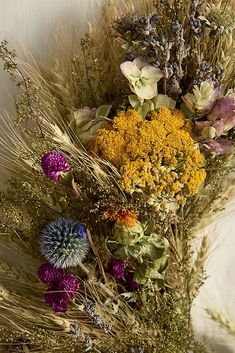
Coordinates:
x,y
126,216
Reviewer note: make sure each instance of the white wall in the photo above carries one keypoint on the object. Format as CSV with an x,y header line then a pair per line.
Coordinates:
x,y
28,23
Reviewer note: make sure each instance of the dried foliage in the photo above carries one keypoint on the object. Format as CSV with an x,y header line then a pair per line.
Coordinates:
x,y
86,73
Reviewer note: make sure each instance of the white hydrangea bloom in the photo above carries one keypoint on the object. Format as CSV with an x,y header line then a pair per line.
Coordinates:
x,y
142,77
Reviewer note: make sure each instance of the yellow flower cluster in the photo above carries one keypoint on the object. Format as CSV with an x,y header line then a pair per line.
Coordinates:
x,y
157,156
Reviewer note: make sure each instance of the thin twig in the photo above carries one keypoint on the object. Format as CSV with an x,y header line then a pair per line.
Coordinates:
x,y
96,253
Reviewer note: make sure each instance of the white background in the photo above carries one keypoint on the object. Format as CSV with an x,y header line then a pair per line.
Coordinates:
x,y
29,23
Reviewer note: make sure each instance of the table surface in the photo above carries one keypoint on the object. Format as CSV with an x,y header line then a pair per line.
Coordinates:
x,y
29,23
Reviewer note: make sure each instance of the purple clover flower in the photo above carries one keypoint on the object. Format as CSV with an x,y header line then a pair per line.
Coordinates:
x,y
54,164
55,300
48,274
68,287
117,269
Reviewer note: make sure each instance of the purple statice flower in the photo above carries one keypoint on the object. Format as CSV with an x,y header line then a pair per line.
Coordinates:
x,y
68,287
55,300
54,164
131,282
48,274
117,269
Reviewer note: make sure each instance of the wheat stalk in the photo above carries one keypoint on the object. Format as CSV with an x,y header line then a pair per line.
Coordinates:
x,y
222,320
198,266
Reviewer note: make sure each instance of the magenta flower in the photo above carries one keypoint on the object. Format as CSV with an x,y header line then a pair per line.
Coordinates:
x,y
68,287
54,164
131,282
117,269
55,300
48,274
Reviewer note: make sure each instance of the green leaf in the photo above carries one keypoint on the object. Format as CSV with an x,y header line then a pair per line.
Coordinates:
x,y
140,274
66,178
122,252
161,264
135,251
144,109
89,130
135,101
162,100
148,227
154,251
159,283
103,111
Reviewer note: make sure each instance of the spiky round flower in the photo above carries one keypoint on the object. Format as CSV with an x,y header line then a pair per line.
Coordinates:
x,y
55,300
48,274
117,269
68,286
54,164
63,243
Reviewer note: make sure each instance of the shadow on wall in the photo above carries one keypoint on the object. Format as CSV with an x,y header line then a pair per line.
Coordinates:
x,y
215,343
221,348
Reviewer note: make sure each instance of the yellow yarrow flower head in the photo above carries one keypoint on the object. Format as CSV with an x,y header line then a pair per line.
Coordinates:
x,y
156,156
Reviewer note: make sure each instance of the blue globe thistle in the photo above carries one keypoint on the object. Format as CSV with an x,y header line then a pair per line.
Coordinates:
x,y
64,243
